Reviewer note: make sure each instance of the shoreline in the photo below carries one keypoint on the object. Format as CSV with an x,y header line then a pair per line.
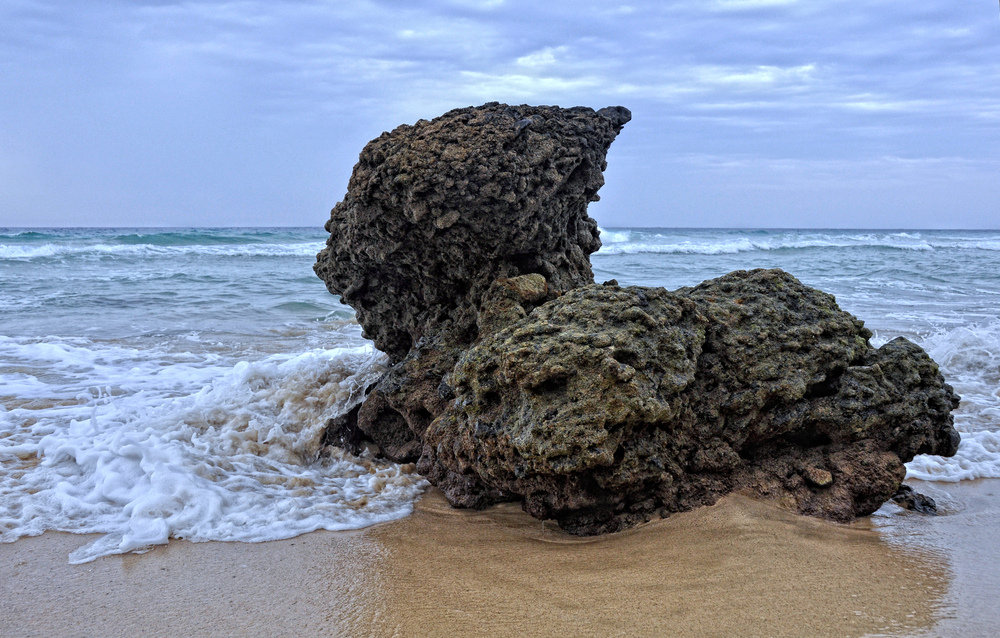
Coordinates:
x,y
740,567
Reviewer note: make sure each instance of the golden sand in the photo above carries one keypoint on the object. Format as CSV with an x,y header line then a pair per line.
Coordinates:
x,y
740,568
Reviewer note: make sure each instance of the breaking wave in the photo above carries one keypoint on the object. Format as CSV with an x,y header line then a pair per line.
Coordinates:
x,y
969,357
679,241
50,250
206,451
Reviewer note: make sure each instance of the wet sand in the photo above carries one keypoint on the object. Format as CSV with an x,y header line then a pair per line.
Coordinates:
x,y
740,568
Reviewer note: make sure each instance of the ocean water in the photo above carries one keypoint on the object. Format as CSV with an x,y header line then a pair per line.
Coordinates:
x,y
174,383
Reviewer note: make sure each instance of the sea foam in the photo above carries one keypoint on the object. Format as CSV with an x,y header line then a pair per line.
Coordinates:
x,y
978,457
614,236
238,459
636,241
26,252
158,413
969,357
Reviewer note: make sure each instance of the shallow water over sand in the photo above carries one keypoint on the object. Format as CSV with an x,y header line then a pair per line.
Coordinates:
x,y
144,372
740,568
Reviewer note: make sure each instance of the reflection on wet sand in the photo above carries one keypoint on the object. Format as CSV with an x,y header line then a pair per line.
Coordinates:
x,y
740,568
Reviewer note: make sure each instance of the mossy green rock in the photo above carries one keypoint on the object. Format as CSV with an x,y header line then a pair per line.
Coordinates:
x,y
463,244
434,214
436,211
608,405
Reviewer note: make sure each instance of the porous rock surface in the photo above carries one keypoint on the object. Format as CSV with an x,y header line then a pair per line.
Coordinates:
x,y
434,214
463,246
609,405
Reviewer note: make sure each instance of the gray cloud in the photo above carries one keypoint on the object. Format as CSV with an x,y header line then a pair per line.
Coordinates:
x,y
253,112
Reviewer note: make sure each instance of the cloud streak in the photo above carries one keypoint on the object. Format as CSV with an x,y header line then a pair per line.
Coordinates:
x,y
253,112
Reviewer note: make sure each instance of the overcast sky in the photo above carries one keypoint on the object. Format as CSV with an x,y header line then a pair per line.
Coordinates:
x,y
746,113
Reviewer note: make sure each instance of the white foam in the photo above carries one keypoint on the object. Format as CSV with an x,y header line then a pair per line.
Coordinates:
x,y
74,365
238,459
614,236
619,241
678,244
25,252
686,247
969,357
978,456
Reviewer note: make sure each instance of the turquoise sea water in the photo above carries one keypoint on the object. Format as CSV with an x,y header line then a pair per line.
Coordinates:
x,y
160,383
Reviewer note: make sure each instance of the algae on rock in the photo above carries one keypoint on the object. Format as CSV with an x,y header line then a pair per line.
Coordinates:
x,y
434,214
609,404
463,245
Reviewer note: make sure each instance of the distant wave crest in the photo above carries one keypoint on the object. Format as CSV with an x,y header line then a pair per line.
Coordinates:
x,y
24,252
671,243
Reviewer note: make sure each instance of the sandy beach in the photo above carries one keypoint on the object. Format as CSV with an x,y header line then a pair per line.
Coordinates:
x,y
738,568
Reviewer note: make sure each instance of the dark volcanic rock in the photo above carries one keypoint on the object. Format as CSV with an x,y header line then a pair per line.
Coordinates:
x,y
608,405
343,431
434,214
463,245
911,500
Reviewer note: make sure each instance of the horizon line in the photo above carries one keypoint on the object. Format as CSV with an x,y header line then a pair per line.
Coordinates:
x,y
745,228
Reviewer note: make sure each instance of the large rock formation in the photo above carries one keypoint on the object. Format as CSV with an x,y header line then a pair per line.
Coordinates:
x,y
608,404
463,246
437,211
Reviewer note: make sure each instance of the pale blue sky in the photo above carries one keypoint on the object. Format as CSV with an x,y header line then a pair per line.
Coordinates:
x,y
747,113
